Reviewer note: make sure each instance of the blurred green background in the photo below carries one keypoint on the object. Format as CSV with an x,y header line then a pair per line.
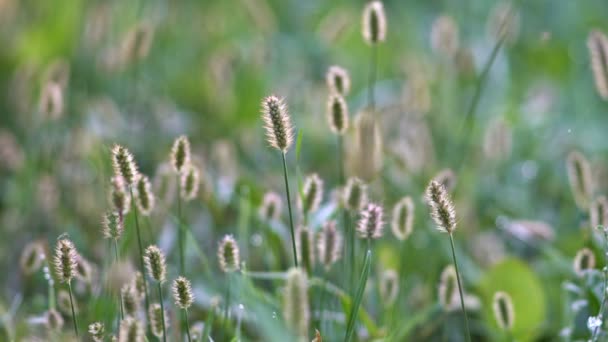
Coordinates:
x,y
140,73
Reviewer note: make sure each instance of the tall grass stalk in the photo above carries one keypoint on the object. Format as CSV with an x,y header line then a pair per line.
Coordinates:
x,y
352,318
141,251
373,65
180,230
293,238
122,311
187,325
162,310
72,307
464,311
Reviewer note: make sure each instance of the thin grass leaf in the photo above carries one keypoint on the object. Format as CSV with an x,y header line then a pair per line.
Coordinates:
x,y
358,297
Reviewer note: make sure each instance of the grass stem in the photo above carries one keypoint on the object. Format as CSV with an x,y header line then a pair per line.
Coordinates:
x,y
72,306
187,325
464,311
162,311
293,239
141,251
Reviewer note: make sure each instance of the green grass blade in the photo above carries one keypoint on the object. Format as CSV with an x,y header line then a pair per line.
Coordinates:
x,y
358,297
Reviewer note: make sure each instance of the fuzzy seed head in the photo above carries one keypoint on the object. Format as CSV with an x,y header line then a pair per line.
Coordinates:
x,y
403,218
441,207
154,259
337,113
228,254
389,287
180,154
130,300
444,36
138,285
124,164
371,222
355,194
305,248
598,213
295,302
155,312
367,146
579,176
143,195
374,22
190,182
113,225
338,80
277,123
131,330
312,194
182,293
597,42
84,270
329,244
31,258
584,261
65,260
271,207
119,196
97,331
504,314
447,178
54,321
448,288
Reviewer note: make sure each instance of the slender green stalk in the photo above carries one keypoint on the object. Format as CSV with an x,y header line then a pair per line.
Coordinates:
x,y
162,311
141,250
122,310
180,231
293,238
464,311
596,331
209,324
352,318
353,246
373,64
187,325
72,305
227,305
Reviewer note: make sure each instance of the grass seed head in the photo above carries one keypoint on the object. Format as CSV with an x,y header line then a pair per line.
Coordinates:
x,y
337,113
190,183
598,213
130,300
154,260
51,101
155,312
584,260
119,196
53,320
271,207
97,331
338,80
579,176
180,154
124,164
374,22
143,195
277,123
65,260
31,258
113,225
329,244
312,194
371,222
305,248
403,218
355,194
296,308
441,207
131,330
228,254
448,288
389,287
502,306
597,43
182,293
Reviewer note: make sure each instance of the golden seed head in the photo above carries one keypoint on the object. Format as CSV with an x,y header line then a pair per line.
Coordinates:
x,y
598,213
180,154
579,176
371,222
312,194
97,331
374,22
113,225
277,123
154,260
190,182
444,36
329,244
448,288
338,80
355,194
597,43
337,113
502,306
124,164
131,330
143,195
31,258
119,196
271,207
296,308
305,248
441,207
182,293
584,261
228,254
389,287
53,319
155,312
138,285
130,300
403,218
65,260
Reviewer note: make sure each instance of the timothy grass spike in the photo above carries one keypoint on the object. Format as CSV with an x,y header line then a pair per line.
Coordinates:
x,y
504,314
182,293
124,164
180,154
371,222
338,80
312,194
154,260
403,218
279,131
374,22
190,182
442,208
228,254
337,113
329,244
296,308
143,194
